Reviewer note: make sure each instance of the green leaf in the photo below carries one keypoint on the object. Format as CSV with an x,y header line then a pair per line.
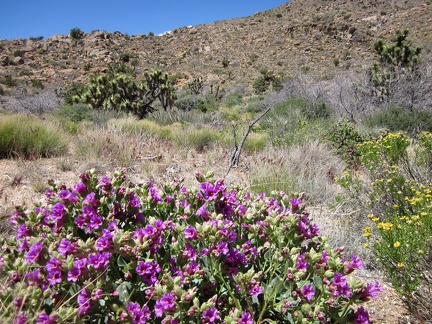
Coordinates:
x,y
318,283
124,290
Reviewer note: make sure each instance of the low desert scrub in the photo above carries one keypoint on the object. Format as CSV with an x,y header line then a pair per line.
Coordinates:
x,y
199,138
29,137
195,117
145,127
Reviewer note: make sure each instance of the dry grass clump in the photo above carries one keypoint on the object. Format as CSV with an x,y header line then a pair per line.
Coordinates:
x,y
308,167
114,147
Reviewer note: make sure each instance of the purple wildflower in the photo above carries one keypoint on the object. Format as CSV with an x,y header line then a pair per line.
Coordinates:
x,y
134,202
208,191
222,248
308,292
301,264
58,211
150,231
355,263
74,274
53,268
340,286
81,188
43,318
139,315
105,184
34,254
255,291
35,276
202,211
84,302
361,316
20,318
154,193
91,200
210,315
371,290
190,233
67,247
99,260
23,231
165,304
246,318
295,204
105,241
148,271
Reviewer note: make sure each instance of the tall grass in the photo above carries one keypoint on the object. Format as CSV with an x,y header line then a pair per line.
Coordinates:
x,y
114,147
29,137
308,167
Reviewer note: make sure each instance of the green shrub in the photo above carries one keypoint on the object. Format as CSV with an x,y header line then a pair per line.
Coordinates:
x,y
17,53
75,113
346,138
9,81
28,137
400,119
125,57
233,99
107,250
198,138
287,123
202,102
260,85
36,83
76,33
37,38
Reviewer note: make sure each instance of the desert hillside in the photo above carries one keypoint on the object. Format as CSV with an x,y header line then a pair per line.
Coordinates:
x,y
320,37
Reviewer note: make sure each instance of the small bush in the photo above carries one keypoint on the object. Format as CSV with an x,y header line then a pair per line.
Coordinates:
x,y
9,81
76,33
17,53
75,113
198,138
397,119
108,251
233,99
37,38
28,137
346,138
36,83
202,102
260,85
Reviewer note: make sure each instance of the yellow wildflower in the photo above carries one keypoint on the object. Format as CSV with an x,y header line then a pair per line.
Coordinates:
x,y
400,265
396,244
385,226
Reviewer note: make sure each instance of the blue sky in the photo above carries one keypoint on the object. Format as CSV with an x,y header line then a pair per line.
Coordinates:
x,y
32,18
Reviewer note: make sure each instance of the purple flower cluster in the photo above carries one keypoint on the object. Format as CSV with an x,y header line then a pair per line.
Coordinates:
x,y
140,255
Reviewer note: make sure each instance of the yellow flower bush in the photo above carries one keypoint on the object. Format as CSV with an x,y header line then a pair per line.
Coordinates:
x,y
397,190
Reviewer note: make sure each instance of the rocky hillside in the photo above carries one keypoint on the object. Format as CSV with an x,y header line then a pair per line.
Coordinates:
x,y
315,36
